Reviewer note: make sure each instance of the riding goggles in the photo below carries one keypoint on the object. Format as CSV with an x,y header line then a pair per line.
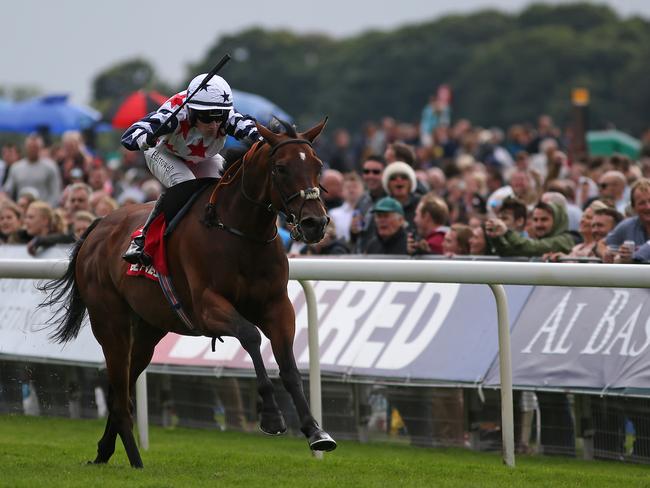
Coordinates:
x,y
208,116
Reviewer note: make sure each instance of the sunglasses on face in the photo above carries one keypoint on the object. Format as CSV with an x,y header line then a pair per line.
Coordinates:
x,y
399,177
603,186
371,171
208,116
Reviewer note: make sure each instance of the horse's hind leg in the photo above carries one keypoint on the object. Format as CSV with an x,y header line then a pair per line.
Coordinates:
x,y
106,445
281,329
145,338
112,328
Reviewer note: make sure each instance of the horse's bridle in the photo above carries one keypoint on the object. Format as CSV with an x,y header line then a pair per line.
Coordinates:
x,y
306,193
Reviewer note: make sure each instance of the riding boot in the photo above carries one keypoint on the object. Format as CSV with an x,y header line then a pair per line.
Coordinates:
x,y
135,253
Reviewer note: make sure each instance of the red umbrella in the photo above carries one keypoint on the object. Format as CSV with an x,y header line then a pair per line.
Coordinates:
x,y
135,106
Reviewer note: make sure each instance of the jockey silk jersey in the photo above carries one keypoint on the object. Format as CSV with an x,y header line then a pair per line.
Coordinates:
x,y
183,140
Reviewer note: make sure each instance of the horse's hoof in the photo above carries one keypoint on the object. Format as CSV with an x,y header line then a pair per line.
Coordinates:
x,y
321,441
273,424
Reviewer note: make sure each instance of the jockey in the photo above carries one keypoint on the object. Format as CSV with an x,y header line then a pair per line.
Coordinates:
x,y
188,146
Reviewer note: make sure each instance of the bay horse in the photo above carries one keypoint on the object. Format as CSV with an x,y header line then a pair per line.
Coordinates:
x,y
230,272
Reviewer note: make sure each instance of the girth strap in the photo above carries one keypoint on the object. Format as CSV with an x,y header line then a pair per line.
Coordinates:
x,y
172,297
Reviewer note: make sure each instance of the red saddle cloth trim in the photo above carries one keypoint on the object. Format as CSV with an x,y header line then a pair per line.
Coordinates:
x,y
154,244
141,270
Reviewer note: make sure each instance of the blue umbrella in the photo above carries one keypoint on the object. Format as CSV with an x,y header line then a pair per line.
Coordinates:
x,y
52,113
258,107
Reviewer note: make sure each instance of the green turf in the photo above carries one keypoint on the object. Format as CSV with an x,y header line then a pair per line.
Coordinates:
x,y
49,452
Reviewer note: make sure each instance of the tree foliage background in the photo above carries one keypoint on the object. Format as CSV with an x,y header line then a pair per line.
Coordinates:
x,y
502,68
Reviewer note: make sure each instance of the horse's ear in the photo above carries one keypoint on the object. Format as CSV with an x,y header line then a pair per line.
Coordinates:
x,y
268,136
313,133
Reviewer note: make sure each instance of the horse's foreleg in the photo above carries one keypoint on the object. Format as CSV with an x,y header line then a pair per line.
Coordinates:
x,y
271,421
281,333
220,318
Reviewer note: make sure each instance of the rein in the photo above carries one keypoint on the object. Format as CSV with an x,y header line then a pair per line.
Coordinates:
x,y
212,219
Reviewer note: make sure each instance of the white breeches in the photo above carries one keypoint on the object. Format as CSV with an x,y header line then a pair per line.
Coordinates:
x,y
170,170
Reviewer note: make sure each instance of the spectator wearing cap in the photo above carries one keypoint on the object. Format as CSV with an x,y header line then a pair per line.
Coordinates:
x,y
36,172
431,216
635,228
390,233
399,182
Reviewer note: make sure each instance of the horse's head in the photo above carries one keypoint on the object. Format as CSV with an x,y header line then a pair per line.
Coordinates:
x,y
295,174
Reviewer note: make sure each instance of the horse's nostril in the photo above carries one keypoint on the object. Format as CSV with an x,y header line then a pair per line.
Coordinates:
x,y
314,222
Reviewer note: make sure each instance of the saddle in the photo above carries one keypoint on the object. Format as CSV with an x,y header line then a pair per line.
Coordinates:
x,y
175,205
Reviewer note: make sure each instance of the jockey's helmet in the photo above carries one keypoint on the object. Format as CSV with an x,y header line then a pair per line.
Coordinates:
x,y
216,95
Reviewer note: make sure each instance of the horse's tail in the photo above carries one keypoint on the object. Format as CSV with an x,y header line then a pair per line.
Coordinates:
x,y
70,316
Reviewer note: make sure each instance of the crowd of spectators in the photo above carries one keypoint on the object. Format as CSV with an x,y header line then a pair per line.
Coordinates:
x,y
454,189
438,187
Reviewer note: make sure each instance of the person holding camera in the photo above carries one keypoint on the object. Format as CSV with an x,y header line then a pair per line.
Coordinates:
x,y
550,224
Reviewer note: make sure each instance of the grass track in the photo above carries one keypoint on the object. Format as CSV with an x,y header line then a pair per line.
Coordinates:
x,y
51,452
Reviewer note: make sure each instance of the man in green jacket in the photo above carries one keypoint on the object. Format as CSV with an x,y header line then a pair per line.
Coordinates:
x,y
550,225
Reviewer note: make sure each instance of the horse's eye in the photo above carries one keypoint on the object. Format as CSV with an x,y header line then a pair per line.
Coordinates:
x,y
282,170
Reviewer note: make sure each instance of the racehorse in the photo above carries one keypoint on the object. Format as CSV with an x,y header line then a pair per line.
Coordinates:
x,y
230,272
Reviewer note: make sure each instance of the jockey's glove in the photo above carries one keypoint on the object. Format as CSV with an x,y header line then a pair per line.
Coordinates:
x,y
145,141
170,125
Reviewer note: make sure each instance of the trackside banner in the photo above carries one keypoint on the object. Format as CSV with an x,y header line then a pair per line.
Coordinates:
x,y
410,331
23,329
441,332
582,337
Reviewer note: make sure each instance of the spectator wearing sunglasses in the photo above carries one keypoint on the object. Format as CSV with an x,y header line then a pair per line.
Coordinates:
x,y
188,144
362,223
400,183
372,170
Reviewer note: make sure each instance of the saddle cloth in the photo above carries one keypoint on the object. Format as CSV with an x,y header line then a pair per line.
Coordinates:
x,y
177,203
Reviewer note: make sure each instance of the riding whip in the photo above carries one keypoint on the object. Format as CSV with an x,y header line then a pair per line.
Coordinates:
x,y
205,81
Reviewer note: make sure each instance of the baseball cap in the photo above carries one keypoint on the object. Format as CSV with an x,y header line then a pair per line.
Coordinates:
x,y
388,204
